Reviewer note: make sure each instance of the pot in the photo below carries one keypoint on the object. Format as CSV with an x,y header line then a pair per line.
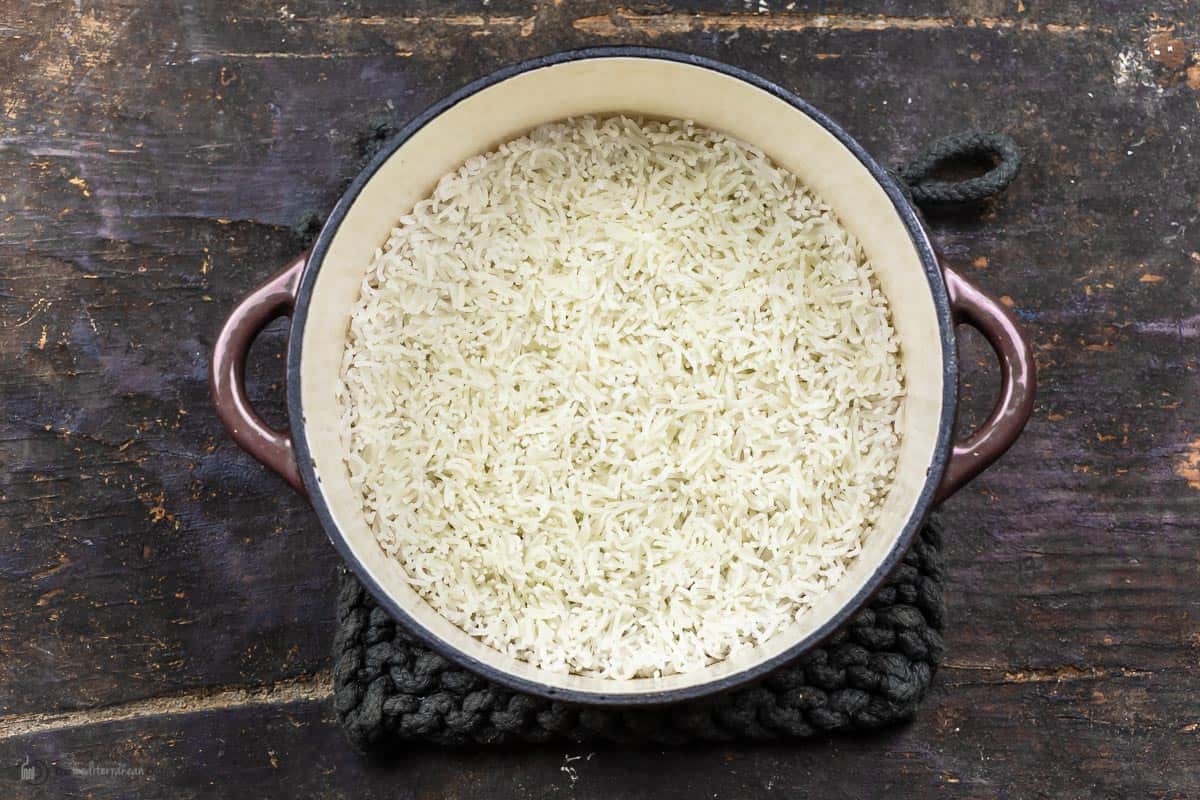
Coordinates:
x,y
317,290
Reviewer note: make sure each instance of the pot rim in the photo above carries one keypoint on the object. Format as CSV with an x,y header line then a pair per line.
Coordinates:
x,y
921,509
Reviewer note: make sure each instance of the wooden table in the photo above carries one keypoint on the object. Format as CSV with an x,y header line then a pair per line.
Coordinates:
x,y
166,610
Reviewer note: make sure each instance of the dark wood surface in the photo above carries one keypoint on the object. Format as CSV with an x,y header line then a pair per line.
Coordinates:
x,y
166,604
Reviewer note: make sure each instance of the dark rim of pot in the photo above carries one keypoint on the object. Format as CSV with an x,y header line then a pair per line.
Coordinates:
x,y
882,570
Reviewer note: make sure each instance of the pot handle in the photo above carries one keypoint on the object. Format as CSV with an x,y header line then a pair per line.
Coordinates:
x,y
275,298
1018,383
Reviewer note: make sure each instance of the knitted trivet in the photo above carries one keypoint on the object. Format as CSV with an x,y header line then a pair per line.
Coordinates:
x,y
871,673
389,688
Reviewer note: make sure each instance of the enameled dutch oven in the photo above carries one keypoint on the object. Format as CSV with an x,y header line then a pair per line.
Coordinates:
x,y
927,300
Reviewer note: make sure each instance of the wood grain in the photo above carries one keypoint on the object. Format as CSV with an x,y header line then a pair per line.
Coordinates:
x,y
153,160
987,736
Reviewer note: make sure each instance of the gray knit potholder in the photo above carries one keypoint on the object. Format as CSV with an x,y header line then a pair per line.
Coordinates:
x,y
389,688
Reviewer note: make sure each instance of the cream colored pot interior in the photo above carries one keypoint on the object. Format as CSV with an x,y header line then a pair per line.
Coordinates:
x,y
651,87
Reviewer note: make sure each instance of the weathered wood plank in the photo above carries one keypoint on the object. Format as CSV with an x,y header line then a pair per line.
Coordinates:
x,y
984,735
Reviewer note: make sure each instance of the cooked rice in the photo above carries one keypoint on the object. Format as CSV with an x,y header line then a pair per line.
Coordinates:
x,y
622,397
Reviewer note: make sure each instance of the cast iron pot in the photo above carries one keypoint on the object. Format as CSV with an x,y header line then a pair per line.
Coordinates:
x,y
927,300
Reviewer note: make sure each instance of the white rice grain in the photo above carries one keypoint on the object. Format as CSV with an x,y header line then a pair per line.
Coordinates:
x,y
622,397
